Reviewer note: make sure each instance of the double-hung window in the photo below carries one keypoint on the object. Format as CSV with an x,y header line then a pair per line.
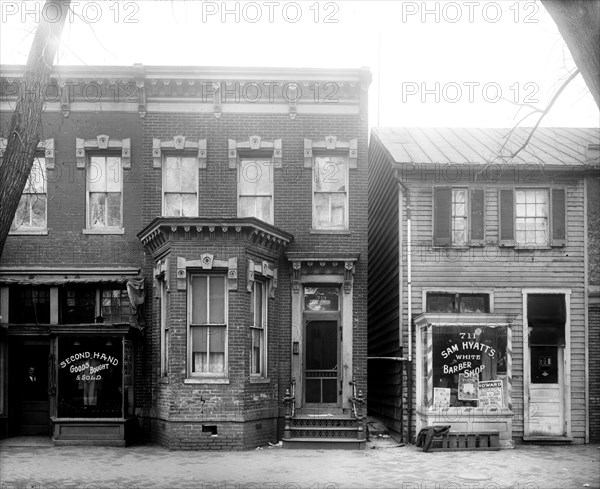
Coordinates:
x,y
533,216
104,193
330,193
180,186
31,215
458,216
258,352
255,189
208,325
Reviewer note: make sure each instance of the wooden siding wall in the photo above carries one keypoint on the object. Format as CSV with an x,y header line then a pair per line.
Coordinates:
x,y
384,376
506,272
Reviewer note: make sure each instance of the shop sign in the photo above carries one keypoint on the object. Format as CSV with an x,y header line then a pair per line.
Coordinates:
x,y
88,365
464,355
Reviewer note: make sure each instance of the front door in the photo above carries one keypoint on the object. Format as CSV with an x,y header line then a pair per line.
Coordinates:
x,y
30,406
545,366
321,362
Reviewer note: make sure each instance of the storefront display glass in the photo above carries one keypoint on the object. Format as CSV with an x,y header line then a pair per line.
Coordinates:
x,y
90,377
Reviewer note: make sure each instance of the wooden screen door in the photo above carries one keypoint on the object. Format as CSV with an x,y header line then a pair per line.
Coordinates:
x,y
545,366
321,373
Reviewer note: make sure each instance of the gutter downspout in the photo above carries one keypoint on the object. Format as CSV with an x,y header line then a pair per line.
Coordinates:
x,y
409,366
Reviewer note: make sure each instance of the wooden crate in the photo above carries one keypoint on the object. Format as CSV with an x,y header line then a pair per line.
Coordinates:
x,y
472,440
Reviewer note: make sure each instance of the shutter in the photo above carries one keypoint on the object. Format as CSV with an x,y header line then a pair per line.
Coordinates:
x,y
477,216
507,218
559,217
442,209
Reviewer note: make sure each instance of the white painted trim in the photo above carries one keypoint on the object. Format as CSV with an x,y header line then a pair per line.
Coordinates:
x,y
566,357
419,356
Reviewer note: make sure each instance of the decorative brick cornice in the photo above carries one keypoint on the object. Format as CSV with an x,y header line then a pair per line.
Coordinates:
x,y
164,230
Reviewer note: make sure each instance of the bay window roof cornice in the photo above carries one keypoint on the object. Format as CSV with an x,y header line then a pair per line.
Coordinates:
x,y
165,229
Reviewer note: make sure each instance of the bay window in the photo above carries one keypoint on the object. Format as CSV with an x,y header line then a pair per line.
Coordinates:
x,y
208,325
258,331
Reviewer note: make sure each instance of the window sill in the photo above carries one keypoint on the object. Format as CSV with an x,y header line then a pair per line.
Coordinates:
x,y
206,380
260,380
104,231
531,247
29,232
346,232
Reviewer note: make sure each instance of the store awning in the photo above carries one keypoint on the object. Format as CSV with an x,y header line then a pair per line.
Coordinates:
x,y
62,276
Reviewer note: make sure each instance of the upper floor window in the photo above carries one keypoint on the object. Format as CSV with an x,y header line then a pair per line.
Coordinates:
x,y
29,304
31,213
533,216
255,189
457,302
330,193
114,305
180,186
207,325
86,303
104,193
258,331
458,216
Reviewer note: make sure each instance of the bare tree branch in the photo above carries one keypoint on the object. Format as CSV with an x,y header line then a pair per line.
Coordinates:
x,y
26,123
546,110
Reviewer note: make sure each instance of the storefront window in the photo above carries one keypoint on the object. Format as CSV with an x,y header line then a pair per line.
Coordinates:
x,y
469,365
90,380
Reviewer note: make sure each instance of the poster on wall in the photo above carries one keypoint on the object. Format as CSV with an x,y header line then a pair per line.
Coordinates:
x,y
490,393
441,396
467,387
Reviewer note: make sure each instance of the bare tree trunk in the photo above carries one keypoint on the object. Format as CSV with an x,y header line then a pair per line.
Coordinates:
x,y
26,124
578,22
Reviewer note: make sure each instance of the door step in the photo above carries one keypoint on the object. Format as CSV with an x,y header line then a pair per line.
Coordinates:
x,y
339,431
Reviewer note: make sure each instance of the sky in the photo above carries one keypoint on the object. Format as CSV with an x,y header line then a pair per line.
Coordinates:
x,y
433,63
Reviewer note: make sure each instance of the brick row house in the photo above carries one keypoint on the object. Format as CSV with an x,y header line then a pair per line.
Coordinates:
x,y
188,263
480,312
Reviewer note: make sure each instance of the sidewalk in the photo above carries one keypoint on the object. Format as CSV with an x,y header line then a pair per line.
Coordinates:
x,y
383,464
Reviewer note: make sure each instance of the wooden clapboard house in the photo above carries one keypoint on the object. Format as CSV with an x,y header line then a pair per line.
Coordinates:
x,y
478,281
